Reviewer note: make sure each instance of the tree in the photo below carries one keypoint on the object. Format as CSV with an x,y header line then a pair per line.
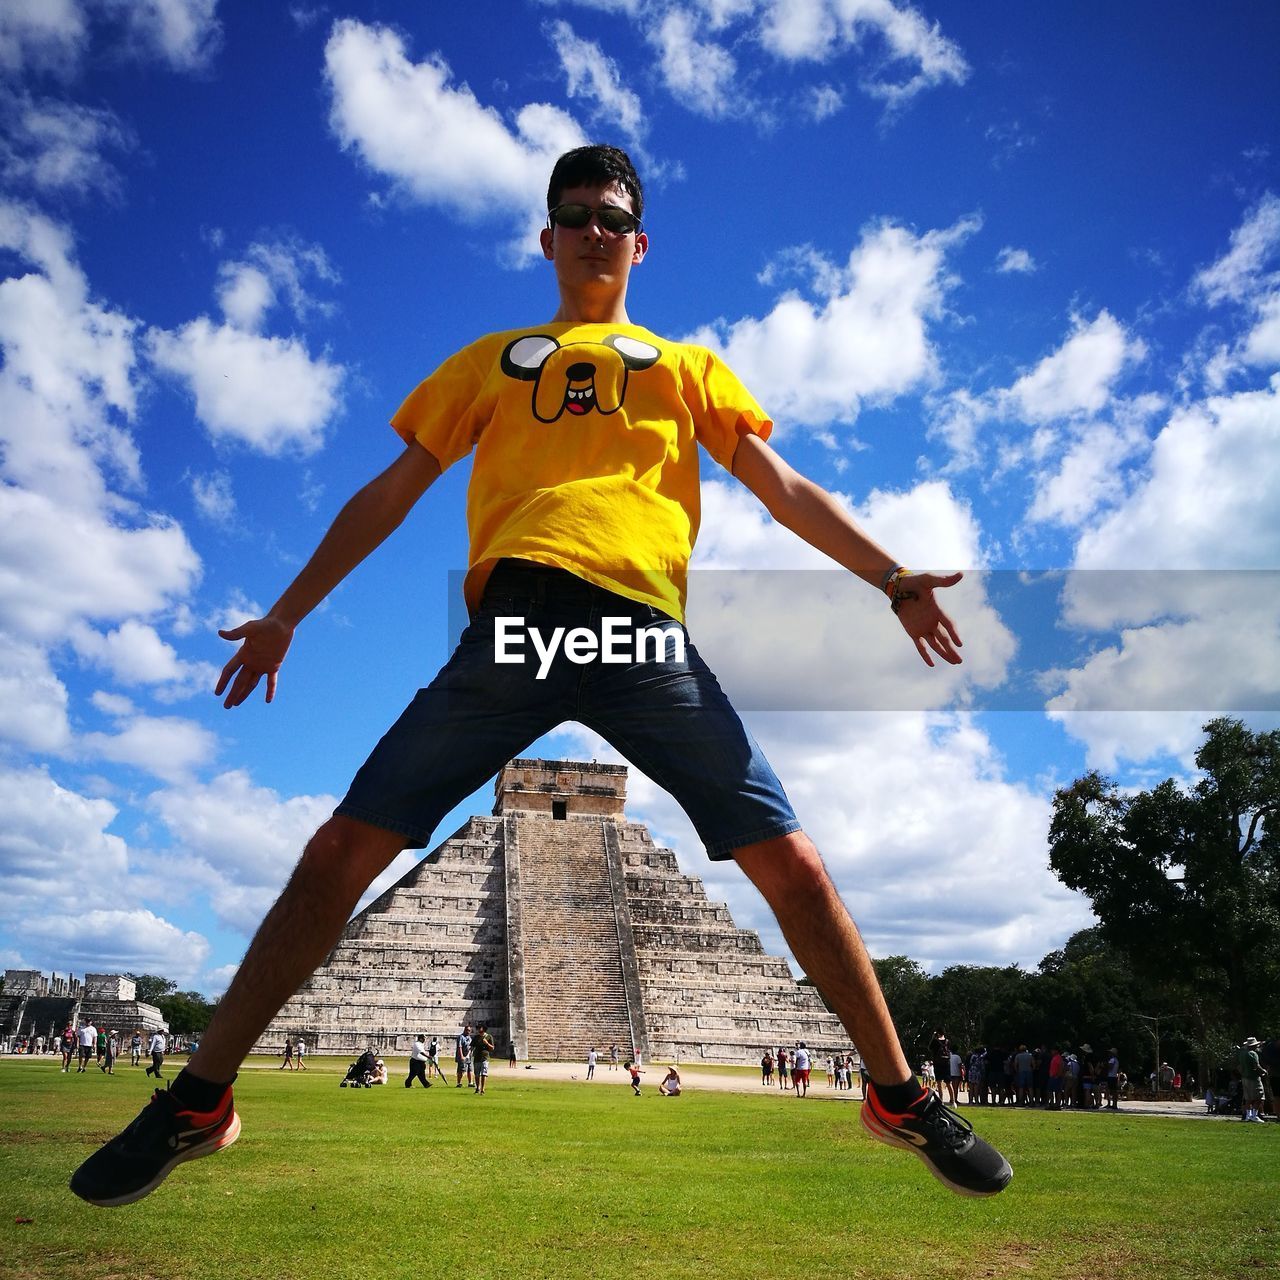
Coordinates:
x,y
186,1012
1186,882
151,987
906,991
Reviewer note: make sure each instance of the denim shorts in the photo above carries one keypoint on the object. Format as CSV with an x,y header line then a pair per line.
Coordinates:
x,y
663,711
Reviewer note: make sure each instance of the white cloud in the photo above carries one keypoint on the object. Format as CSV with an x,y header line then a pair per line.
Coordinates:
x,y
71,547
1079,377
126,940
594,76
434,140
1089,475
1262,343
268,393
41,35
868,340
185,34
1190,644
821,638
700,74
33,701
135,655
1234,276
1207,499
59,565
67,898
60,147
272,272
819,30
214,497
1248,277
1018,261
167,747
246,838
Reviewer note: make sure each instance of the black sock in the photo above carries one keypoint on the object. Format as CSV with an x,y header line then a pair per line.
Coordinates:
x,y
198,1094
899,1097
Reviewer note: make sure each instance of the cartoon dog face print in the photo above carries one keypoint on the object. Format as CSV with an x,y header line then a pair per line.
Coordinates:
x,y
579,377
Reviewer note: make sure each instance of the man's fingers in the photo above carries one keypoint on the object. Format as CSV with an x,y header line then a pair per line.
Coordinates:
x,y
922,651
236,633
271,685
233,665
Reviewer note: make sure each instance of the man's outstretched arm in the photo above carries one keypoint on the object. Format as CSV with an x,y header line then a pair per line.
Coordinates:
x,y
811,513
361,526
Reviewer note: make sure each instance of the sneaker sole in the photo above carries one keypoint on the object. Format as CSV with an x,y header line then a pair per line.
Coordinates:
x,y
224,1139
882,1133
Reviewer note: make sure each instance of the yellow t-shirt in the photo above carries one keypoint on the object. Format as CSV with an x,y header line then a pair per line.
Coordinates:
x,y
584,437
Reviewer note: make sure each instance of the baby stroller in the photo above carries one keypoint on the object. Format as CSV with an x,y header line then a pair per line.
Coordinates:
x,y
360,1072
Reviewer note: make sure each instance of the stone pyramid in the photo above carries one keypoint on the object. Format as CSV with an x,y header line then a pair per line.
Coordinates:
x,y
560,925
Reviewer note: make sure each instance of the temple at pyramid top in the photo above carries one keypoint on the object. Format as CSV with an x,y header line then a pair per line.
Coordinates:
x,y
558,788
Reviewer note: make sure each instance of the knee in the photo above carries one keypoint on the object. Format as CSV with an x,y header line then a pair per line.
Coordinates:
x,y
348,853
789,864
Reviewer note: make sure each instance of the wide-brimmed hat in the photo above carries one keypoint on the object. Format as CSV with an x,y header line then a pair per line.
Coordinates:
x,y
1086,1048
1252,1043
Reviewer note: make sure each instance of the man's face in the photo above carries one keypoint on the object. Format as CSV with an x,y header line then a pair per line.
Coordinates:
x,y
590,255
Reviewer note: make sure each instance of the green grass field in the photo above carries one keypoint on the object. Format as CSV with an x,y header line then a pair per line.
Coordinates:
x,y
543,1179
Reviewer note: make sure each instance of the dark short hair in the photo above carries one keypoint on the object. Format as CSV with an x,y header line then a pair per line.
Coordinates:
x,y
596,165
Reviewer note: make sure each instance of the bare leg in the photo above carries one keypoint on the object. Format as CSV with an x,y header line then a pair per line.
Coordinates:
x,y
790,875
337,866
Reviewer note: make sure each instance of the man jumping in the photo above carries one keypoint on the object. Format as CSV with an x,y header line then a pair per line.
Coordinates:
x,y
583,508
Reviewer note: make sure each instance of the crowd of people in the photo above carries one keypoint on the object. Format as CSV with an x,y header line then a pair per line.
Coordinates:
x,y
86,1045
794,1069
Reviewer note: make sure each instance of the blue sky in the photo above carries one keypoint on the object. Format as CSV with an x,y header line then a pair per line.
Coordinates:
x,y
1008,282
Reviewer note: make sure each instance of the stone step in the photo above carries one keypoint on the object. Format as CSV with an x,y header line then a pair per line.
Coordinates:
x,y
572,965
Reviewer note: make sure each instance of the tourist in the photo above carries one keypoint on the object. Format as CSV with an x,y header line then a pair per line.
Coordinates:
x,y
286,1055
462,1054
670,1086
135,1048
481,1047
418,1060
613,1057
67,1043
800,1061
88,1037
1024,1070
102,1044
955,1077
108,1063
1251,1076
766,1068
634,1072
940,1061
784,1065
156,1049
379,1074
591,519
1113,1080
591,1063
300,1054
433,1059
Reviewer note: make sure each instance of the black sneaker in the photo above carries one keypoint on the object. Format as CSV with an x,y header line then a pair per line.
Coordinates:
x,y
945,1141
137,1161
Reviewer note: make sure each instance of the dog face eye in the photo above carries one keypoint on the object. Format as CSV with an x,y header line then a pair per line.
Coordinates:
x,y
635,354
525,356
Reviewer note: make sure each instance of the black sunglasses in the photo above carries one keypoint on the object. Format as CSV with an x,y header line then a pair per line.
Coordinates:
x,y
612,218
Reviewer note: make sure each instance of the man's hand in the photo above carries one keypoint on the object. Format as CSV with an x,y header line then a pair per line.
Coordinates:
x,y
924,621
264,643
